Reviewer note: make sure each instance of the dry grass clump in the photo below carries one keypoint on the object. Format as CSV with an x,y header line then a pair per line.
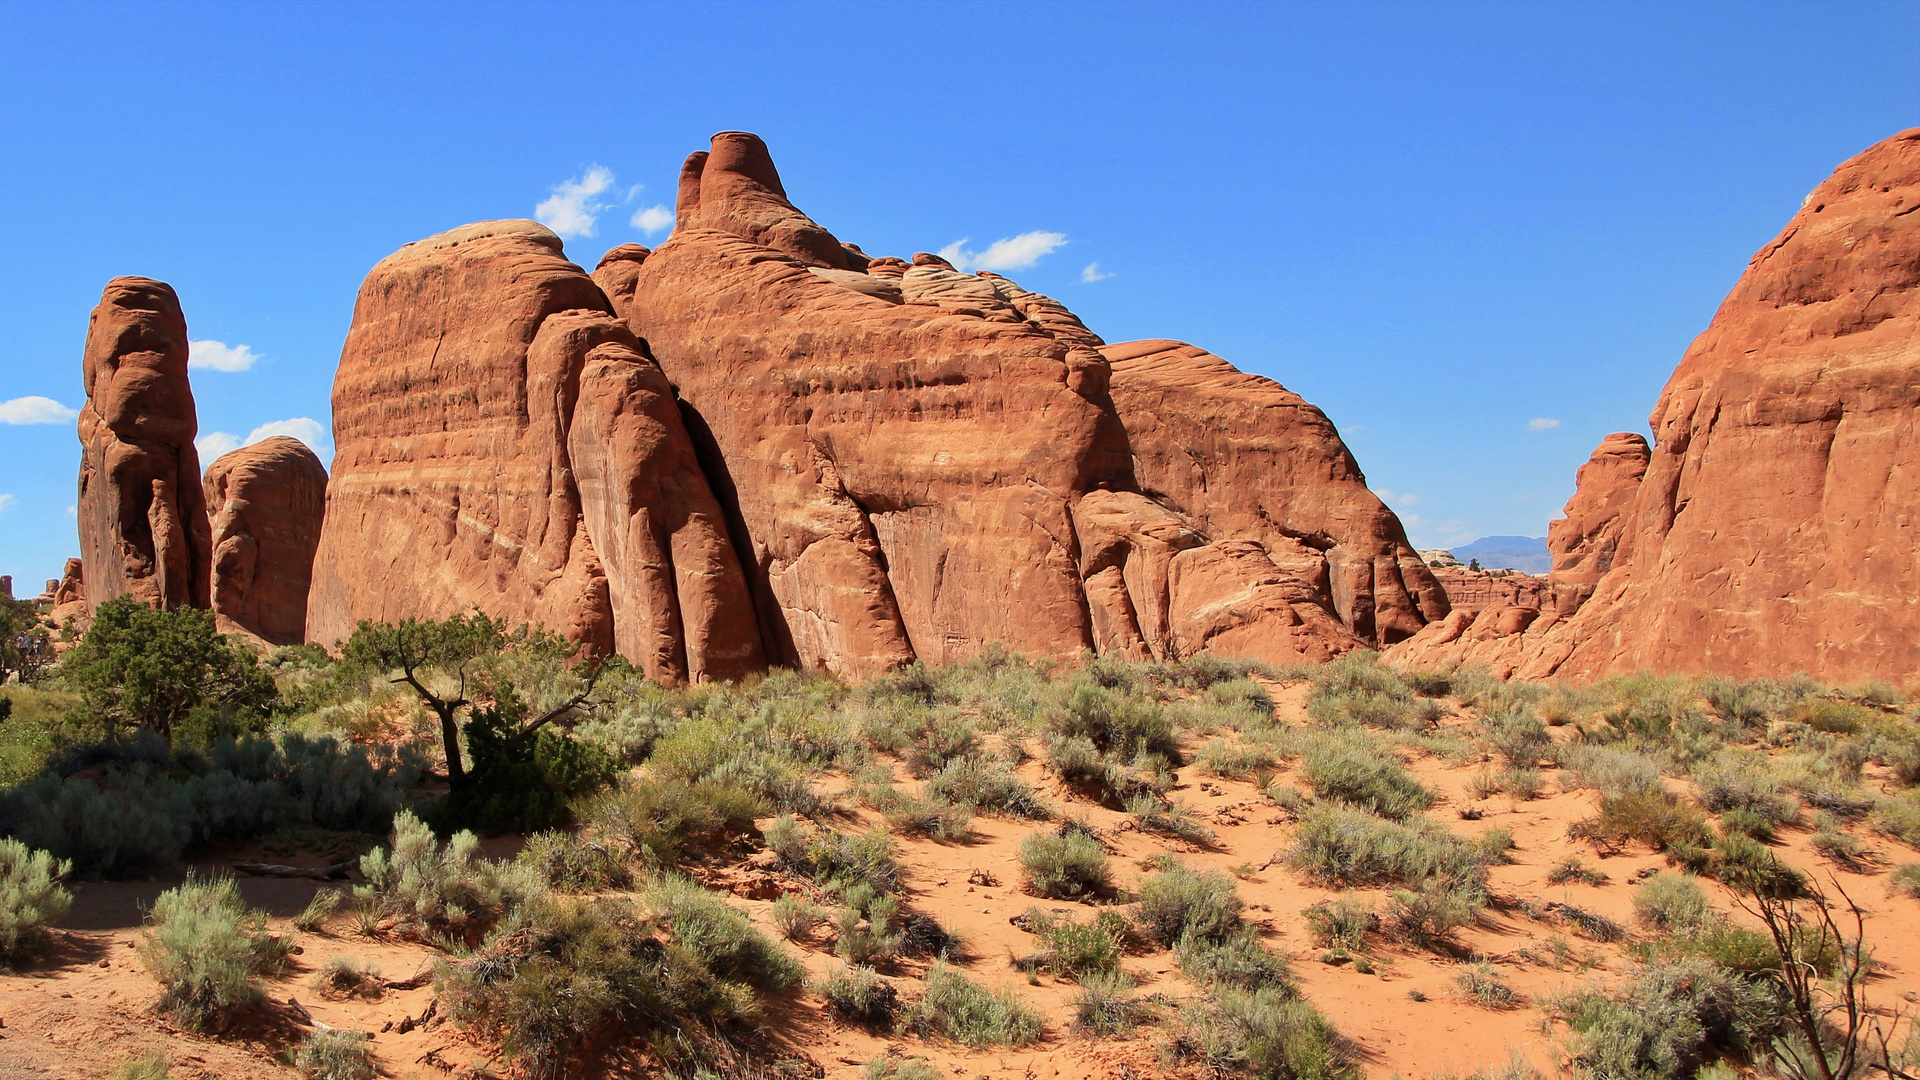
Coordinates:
x,y
973,1015
343,977
1064,864
335,1055
858,996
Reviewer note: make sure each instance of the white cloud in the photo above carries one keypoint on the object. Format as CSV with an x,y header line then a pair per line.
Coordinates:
x,y
1012,253
36,410
652,219
6,503
215,443
1542,423
307,430
1402,498
73,511
573,207
1092,274
219,356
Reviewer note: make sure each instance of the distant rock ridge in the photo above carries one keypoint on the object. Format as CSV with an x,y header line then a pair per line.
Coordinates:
x,y
1766,529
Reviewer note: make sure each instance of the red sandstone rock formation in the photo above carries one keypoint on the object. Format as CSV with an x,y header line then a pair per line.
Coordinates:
x,y
457,484
922,461
1485,588
143,524
266,500
1245,457
1770,531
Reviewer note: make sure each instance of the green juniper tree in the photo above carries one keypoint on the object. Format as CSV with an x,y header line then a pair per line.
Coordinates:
x,y
137,667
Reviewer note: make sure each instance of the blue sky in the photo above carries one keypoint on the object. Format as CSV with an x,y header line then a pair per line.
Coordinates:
x,y
1478,236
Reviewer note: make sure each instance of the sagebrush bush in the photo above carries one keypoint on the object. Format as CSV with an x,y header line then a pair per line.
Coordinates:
x,y
1064,864
1358,689
1520,737
1658,819
1267,1034
208,950
1341,846
658,821
343,977
889,1067
1106,1005
1668,1019
1078,949
573,862
1906,880
1233,760
1670,901
1342,923
1236,959
32,897
1609,770
1115,722
434,890
1429,914
1353,769
1481,984
795,918
1179,901
971,1014
988,786
335,1055
856,995
566,979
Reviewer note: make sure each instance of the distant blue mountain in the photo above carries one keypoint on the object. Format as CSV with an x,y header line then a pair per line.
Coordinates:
x,y
1527,554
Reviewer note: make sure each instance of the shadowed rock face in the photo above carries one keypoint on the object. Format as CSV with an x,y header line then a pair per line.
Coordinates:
x,y
143,524
456,484
1769,527
267,502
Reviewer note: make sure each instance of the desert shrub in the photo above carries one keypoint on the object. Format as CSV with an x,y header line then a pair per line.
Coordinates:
x,y
1078,949
522,780
1167,817
889,1067
208,950
1245,694
1354,769
1899,818
795,918
971,1014
1589,924
867,931
1267,1034
1358,689
342,977
572,862
839,860
1066,863
1725,944
1237,959
1749,824
434,890
1609,770
1906,880
1658,819
335,1055
658,820
140,803
1106,1005
1731,782
1120,725
1836,845
1429,914
567,979
1516,1067
31,897
1340,846
941,737
1833,717
1673,902
1342,924
1572,869
1481,984
855,995
1667,1020
1522,784
1748,864
142,667
1180,901
1235,760
986,785
923,815
153,1066
1520,737
320,909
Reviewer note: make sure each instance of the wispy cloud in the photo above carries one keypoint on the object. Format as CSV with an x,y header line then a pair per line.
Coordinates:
x,y
1092,274
214,444
1011,253
219,356
308,430
574,205
652,219
1542,423
36,410
6,502
1401,498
